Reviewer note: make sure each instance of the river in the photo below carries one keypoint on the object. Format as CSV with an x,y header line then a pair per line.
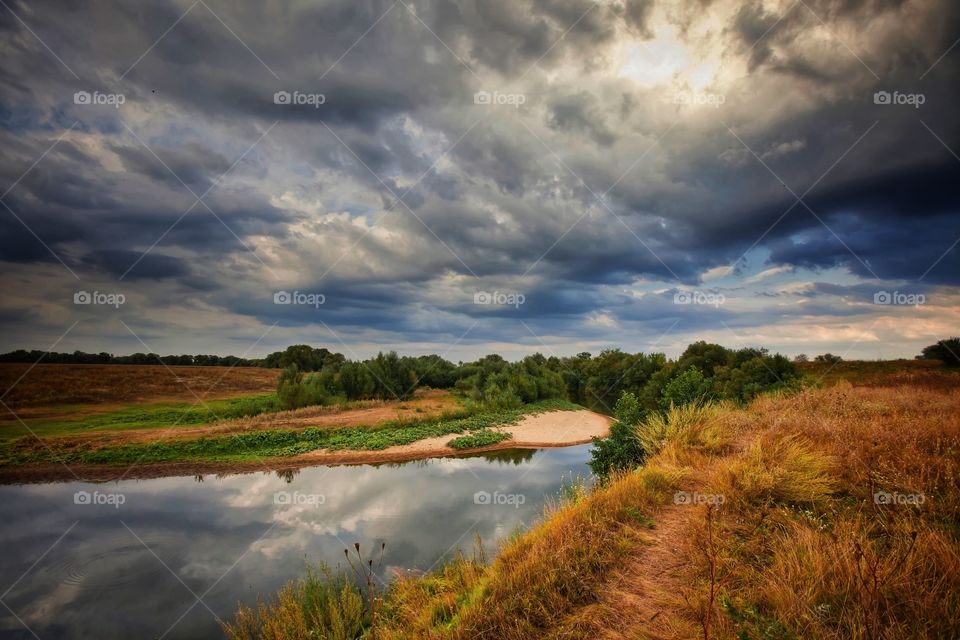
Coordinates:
x,y
165,557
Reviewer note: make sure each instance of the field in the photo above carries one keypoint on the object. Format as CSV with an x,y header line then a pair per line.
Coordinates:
x,y
95,384
101,421
832,512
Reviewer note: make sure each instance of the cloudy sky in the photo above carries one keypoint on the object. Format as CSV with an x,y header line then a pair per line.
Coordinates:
x,y
468,176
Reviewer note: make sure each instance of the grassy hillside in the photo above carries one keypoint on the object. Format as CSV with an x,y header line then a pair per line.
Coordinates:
x,y
829,513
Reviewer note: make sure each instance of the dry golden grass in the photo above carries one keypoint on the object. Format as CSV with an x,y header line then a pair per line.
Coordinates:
x,y
63,384
798,547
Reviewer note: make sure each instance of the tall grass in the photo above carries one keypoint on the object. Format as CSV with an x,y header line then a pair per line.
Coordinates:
x,y
799,547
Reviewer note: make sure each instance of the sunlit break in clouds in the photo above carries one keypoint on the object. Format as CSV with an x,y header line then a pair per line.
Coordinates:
x,y
467,177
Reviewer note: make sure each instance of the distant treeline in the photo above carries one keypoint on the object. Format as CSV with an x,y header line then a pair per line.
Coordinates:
x,y
81,357
306,357
313,377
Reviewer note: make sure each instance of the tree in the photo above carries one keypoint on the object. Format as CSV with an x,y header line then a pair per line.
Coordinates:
x,y
947,351
828,358
690,387
621,450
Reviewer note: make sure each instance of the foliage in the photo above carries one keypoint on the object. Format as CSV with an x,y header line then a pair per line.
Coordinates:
x,y
481,438
276,442
947,351
81,357
497,384
323,604
621,450
828,358
689,387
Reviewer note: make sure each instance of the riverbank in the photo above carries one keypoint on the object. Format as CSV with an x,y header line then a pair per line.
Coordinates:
x,y
817,514
531,427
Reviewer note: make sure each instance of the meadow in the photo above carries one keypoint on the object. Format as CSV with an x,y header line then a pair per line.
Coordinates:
x,y
830,512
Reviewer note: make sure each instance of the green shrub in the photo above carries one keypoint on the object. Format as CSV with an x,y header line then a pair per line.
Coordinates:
x,y
482,438
621,450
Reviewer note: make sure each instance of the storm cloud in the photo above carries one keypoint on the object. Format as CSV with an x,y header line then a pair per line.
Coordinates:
x,y
404,158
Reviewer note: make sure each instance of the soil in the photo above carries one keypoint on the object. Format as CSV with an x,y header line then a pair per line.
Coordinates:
x,y
544,430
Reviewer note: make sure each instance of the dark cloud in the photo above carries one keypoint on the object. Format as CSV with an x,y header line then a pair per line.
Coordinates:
x,y
596,197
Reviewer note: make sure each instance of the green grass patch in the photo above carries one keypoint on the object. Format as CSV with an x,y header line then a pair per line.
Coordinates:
x,y
147,416
482,438
273,443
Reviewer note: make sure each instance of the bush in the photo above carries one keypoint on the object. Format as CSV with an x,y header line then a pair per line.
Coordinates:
x,y
481,438
321,605
947,351
690,387
621,450
828,358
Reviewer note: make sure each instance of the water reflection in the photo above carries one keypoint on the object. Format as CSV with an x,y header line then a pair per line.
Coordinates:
x,y
132,568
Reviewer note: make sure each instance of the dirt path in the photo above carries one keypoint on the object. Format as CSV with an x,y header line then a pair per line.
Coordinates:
x,y
650,582
653,582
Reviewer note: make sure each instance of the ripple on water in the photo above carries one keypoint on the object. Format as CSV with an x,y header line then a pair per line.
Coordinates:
x,y
118,562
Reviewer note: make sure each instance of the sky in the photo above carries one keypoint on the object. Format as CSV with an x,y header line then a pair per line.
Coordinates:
x,y
466,177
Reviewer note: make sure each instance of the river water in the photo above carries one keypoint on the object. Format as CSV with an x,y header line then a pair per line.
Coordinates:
x,y
165,557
